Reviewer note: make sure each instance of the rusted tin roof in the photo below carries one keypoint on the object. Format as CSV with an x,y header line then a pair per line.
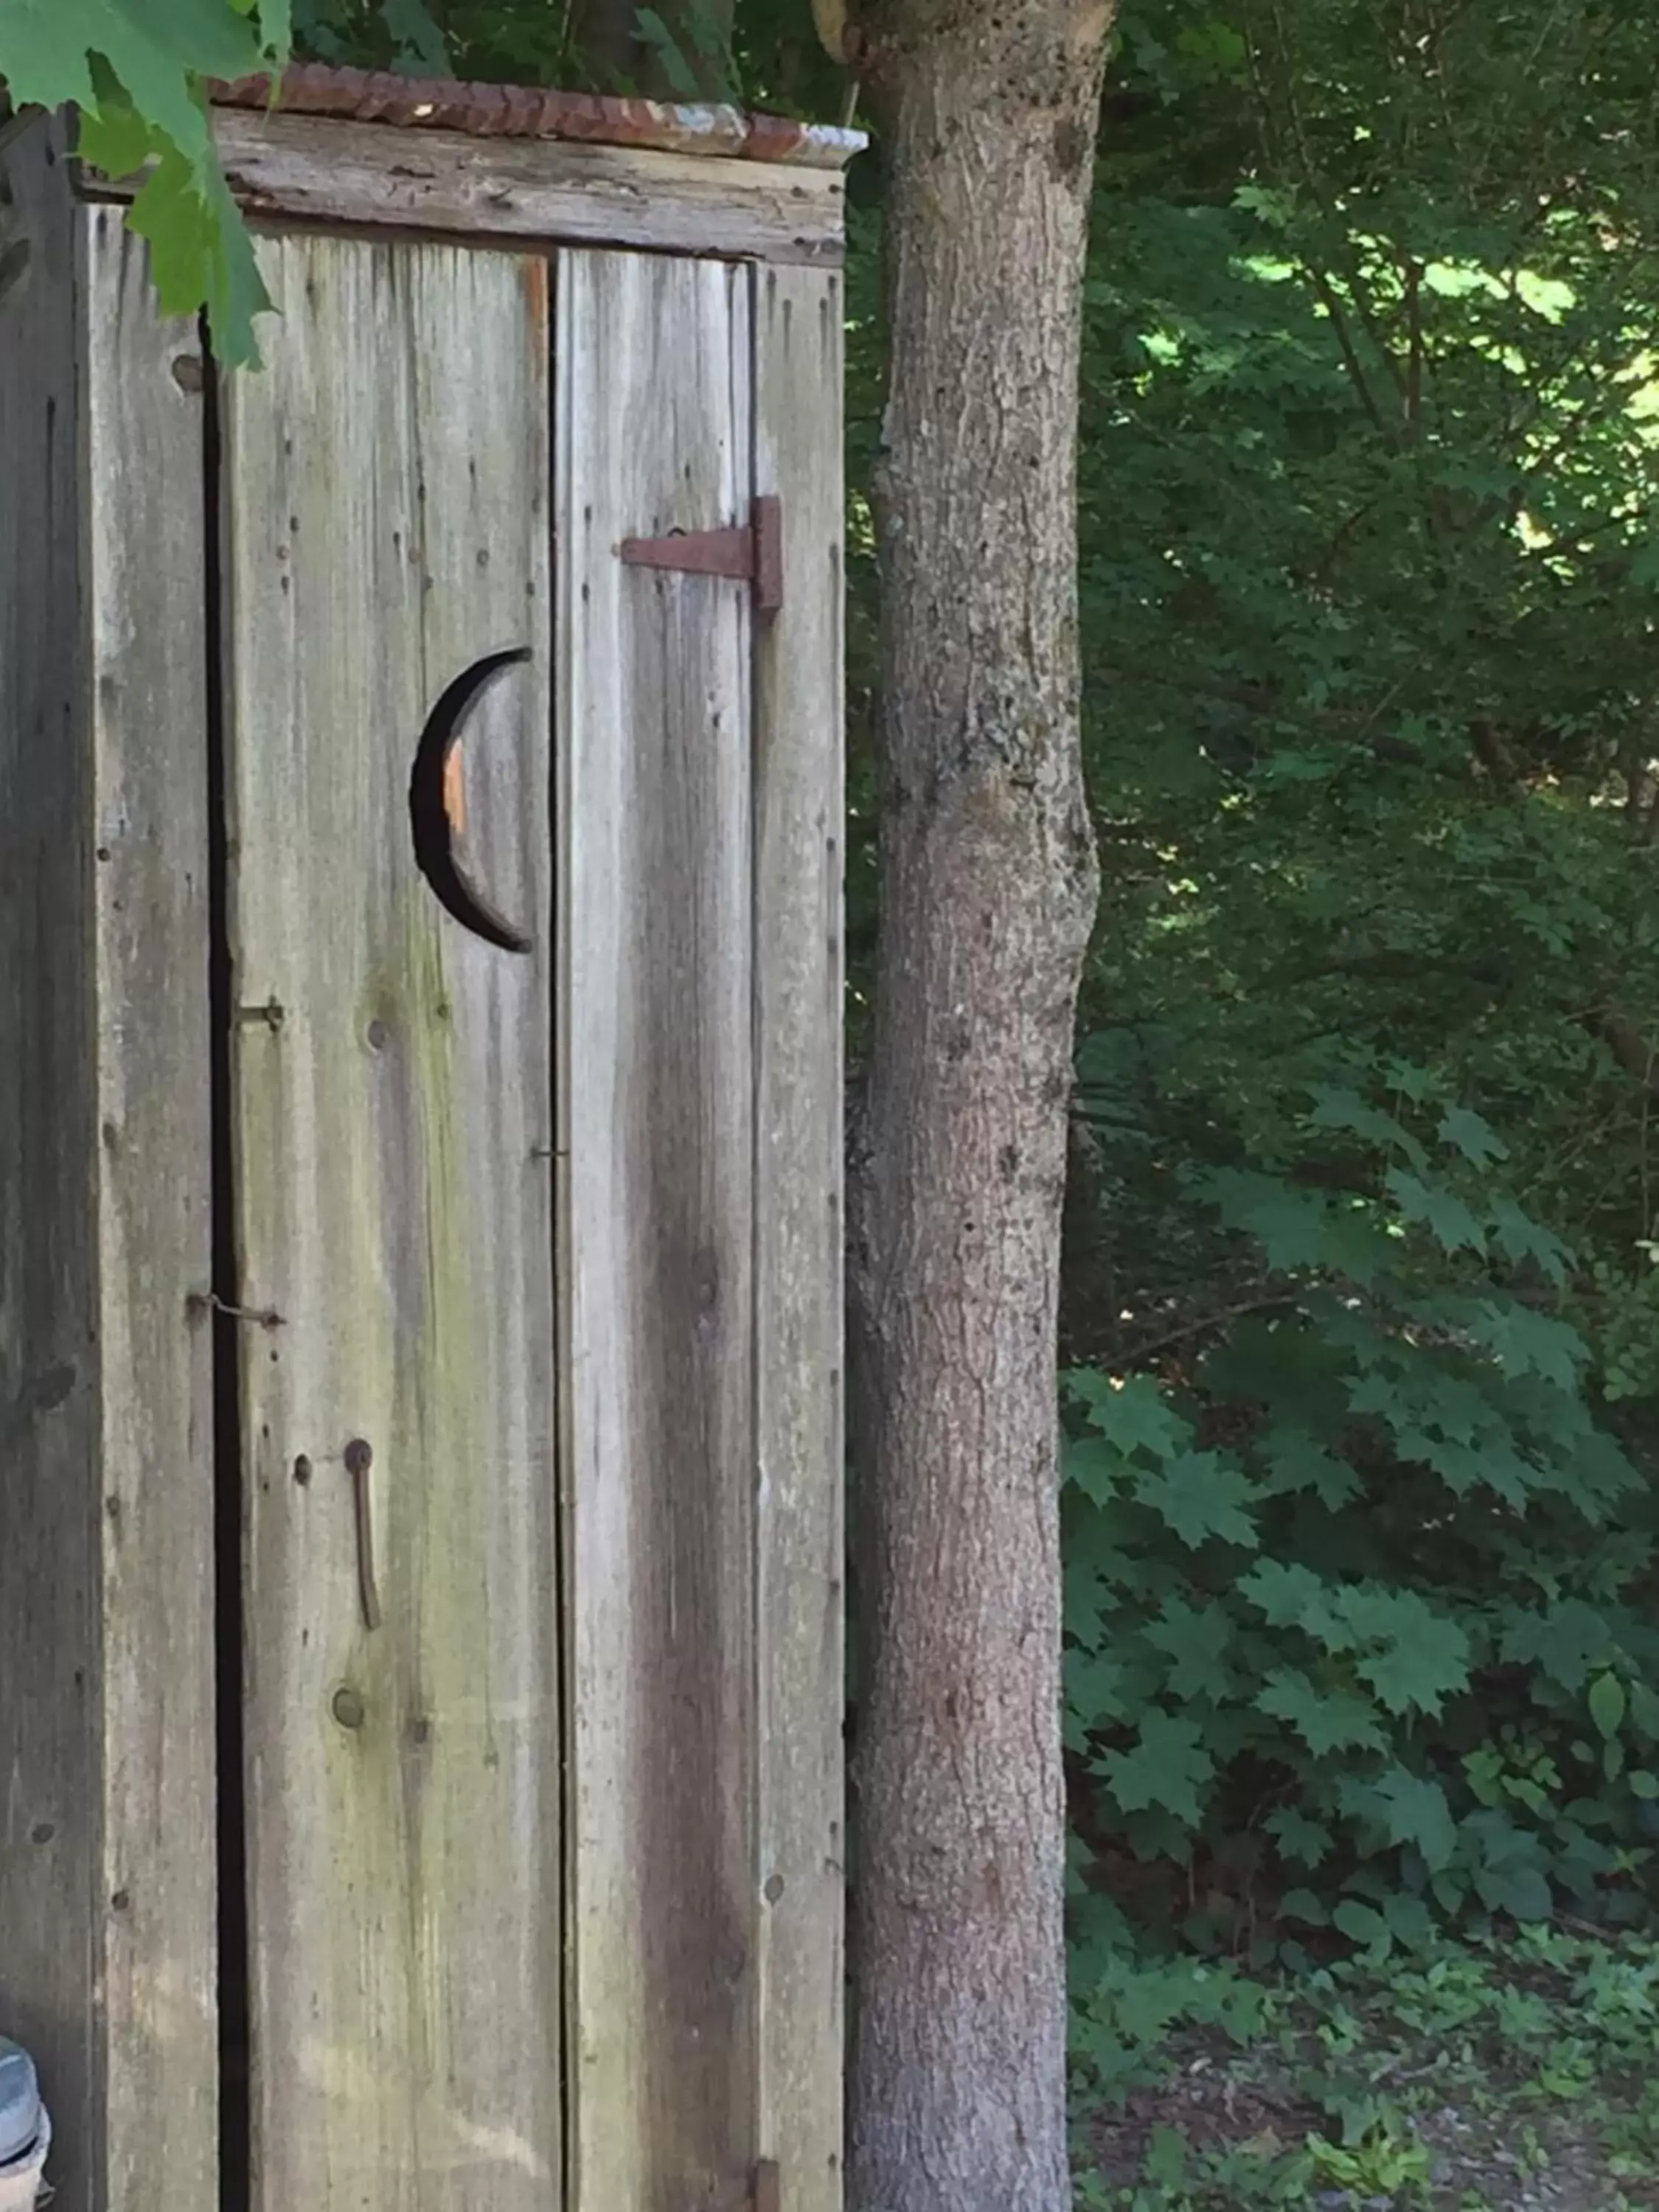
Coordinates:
x,y
510,111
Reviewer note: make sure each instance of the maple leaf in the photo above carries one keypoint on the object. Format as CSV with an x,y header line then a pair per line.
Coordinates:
x,y
1326,1720
1201,1497
1168,1768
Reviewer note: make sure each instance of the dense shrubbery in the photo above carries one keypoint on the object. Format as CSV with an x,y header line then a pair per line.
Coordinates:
x,y
1361,1299
1354,1604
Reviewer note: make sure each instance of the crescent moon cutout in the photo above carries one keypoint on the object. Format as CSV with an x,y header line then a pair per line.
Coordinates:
x,y
434,849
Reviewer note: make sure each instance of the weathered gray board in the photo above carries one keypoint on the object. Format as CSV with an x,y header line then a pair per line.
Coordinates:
x,y
388,481
798,806
106,1785
654,361
388,524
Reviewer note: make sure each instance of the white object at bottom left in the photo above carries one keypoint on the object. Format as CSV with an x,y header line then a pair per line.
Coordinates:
x,y
25,2130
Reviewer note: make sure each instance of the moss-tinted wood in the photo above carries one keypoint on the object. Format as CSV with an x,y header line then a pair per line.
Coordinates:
x,y
107,1845
656,1075
148,674
797,1239
389,525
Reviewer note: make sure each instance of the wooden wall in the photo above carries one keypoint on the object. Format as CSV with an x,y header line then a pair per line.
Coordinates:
x,y
106,1812
545,1858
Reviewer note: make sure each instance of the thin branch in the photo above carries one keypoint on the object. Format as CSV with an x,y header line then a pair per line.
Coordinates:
x,y
1262,1302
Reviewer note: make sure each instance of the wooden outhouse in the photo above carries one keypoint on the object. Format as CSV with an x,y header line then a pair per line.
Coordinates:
x,y
420,878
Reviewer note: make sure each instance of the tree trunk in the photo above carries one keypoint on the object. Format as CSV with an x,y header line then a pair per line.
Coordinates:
x,y
988,116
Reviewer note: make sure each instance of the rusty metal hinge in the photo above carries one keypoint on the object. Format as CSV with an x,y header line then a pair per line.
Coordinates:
x,y
751,553
766,2190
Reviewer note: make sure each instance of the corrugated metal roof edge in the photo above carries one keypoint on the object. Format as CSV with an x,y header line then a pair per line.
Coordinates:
x,y
507,111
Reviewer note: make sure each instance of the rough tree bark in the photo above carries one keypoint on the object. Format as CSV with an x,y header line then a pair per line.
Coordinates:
x,y
988,117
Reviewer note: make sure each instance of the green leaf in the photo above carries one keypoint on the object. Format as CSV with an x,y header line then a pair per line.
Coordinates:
x,y
1326,1720
1607,1706
275,24
1417,1083
1164,2162
1477,1141
1452,1225
1096,1689
1521,1891
1134,1416
1167,1767
1410,1808
1285,1591
1094,1467
417,35
1520,1238
201,254
133,68
1644,1711
1201,1497
1308,1843
1528,1343
1565,1642
682,78
157,52
1422,1668
1409,1919
1346,1109
1195,1638
1297,1461
1295,1229
1642,1783
1301,1904
116,140
1363,1922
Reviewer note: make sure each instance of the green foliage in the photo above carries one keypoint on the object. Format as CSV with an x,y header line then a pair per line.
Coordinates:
x,y
1444,2079
1360,1308
1386,1631
133,68
400,34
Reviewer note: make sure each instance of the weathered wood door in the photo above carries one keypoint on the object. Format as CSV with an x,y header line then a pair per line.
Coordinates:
x,y
419,1349
386,486
539,1553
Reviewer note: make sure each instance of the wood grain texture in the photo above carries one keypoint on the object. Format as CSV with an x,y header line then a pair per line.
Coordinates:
x,y
51,1715
656,1076
106,1843
799,1539
389,525
150,683
313,169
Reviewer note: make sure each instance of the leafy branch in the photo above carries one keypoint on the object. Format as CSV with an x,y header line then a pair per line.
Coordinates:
x,y
133,72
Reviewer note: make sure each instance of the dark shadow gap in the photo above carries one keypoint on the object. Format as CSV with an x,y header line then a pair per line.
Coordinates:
x,y
235,2112
559,1135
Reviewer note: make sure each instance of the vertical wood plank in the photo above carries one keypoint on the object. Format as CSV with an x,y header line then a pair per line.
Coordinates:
x,y
51,1721
798,807
107,1840
151,822
389,525
656,1078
